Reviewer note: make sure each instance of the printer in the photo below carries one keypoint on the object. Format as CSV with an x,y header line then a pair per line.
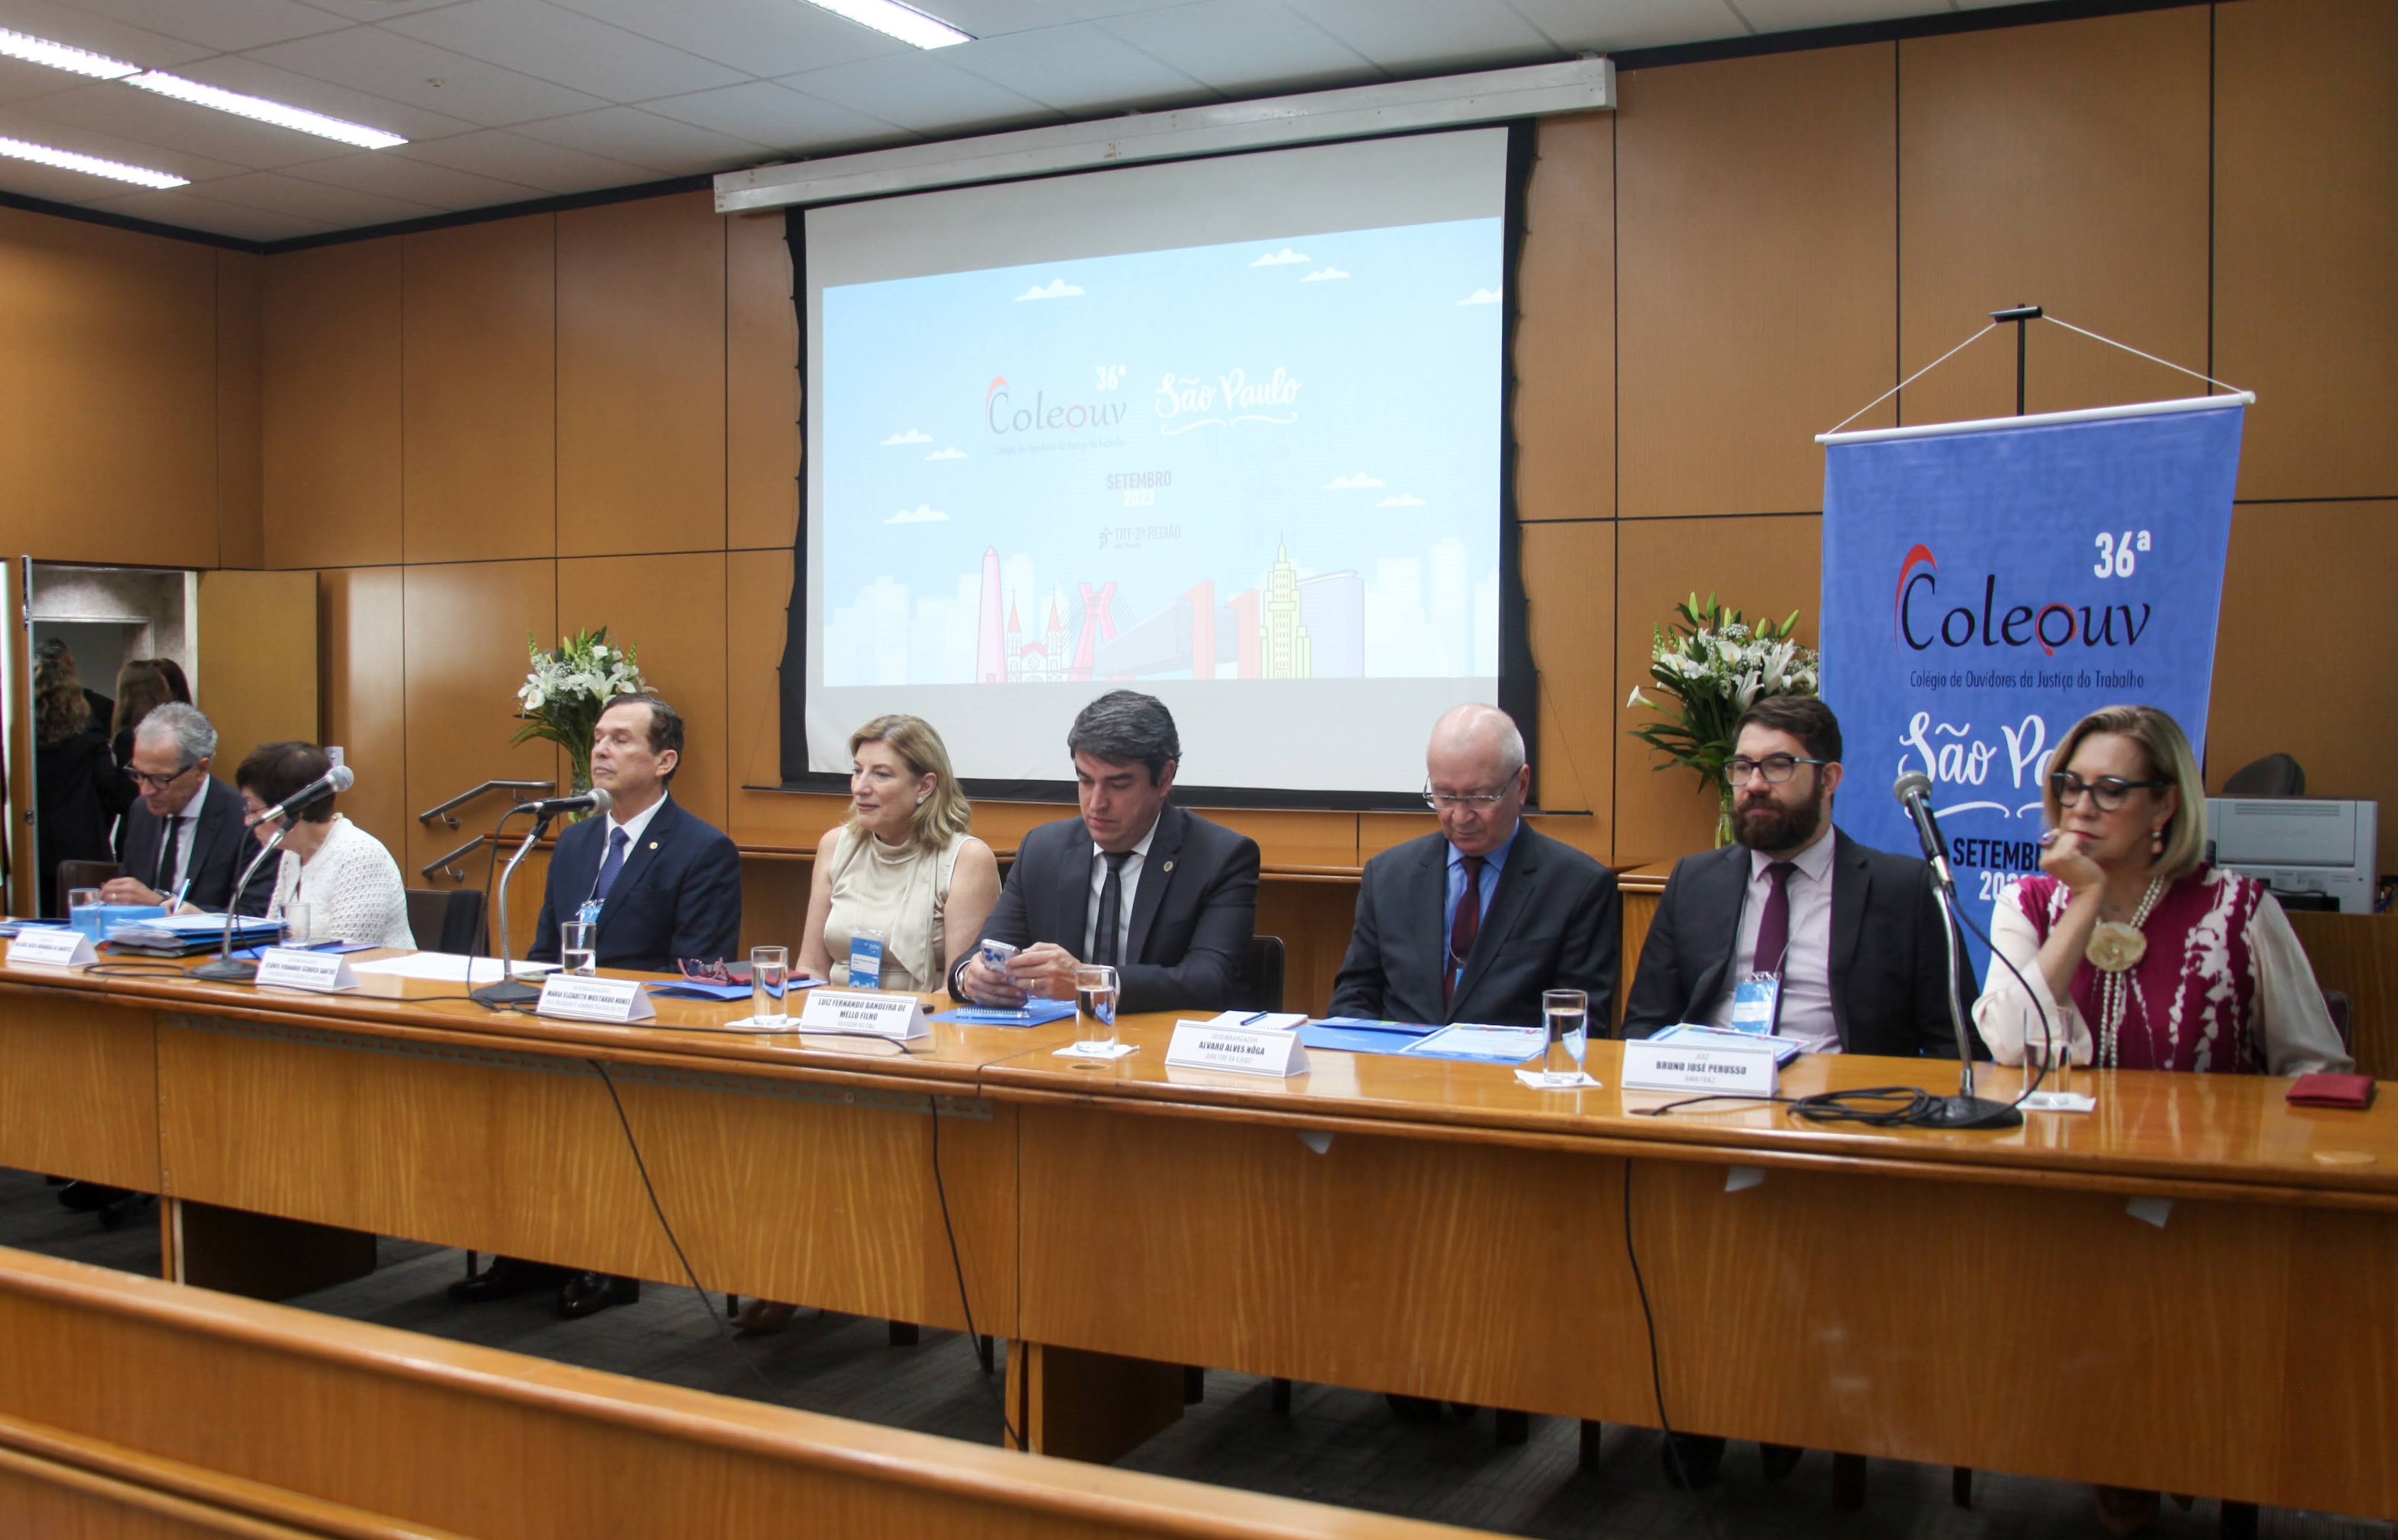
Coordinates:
x,y
2300,845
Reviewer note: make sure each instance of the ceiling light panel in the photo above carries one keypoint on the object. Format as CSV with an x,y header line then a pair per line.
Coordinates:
x,y
67,160
264,110
893,19
59,56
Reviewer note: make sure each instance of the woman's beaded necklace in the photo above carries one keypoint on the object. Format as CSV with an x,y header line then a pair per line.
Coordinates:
x,y
2114,981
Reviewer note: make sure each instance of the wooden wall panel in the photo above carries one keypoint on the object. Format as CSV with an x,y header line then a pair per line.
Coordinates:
x,y
333,406
2275,690
1569,579
479,387
762,386
673,607
640,377
2306,233
362,704
464,627
1564,337
1759,226
2062,166
241,280
1758,566
108,412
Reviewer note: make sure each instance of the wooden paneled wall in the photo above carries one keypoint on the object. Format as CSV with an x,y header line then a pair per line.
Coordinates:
x,y
588,416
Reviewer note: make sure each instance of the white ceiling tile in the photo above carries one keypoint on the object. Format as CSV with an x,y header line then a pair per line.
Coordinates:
x,y
80,29
918,91
1790,15
643,139
27,179
148,118
1077,68
1603,26
996,18
238,73
384,63
513,157
338,206
22,82
193,211
415,181
226,26
759,37
1423,35
782,119
1245,47
550,42
376,10
18,122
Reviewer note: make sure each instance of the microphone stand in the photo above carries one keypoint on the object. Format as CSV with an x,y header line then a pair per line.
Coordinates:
x,y
1964,1110
227,968
509,990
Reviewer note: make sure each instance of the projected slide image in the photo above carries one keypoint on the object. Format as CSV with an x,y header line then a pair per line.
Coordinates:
x,y
1269,459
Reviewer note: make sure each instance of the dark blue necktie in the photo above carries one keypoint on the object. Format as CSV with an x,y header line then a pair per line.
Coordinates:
x,y
617,840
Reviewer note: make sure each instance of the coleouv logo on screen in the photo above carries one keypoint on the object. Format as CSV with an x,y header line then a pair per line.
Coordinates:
x,y
1006,413
2000,616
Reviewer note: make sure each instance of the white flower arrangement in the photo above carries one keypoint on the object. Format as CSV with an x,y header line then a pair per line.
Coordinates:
x,y
566,690
1711,666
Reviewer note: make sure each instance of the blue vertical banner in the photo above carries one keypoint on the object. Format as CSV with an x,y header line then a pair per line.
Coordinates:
x,y
1987,584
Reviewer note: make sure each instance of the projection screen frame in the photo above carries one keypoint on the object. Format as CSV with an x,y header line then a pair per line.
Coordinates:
x,y
1518,684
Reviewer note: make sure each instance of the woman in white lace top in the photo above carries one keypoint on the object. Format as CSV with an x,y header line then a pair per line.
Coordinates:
x,y
337,882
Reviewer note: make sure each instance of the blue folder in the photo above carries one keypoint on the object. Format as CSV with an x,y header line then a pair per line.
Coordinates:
x,y
1356,1035
1032,1013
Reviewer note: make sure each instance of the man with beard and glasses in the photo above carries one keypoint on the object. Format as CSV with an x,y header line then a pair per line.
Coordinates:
x,y
1806,933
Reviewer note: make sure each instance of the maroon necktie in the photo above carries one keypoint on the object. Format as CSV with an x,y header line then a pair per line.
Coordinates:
x,y
1463,926
1773,925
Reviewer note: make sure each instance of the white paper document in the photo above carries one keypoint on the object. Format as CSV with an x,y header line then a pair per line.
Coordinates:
x,y
451,968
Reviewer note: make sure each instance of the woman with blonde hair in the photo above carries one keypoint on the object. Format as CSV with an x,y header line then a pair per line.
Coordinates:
x,y
2139,954
903,862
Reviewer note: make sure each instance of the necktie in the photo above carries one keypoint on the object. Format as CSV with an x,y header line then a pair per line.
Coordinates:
x,y
1103,944
1773,925
1464,925
617,840
166,849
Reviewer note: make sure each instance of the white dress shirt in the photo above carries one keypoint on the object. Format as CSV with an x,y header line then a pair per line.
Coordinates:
x,y
634,828
1127,882
186,838
1806,1011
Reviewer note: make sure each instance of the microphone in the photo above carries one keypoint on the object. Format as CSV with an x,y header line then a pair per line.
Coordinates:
x,y
1914,793
341,778
594,801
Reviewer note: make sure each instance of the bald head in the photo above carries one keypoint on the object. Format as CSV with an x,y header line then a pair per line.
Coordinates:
x,y
1474,767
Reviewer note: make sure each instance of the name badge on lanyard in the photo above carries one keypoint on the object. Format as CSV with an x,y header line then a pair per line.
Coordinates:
x,y
1753,1000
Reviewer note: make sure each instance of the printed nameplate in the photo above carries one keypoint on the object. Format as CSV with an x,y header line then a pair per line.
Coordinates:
x,y
582,997
289,968
1734,1068
898,1017
53,945
1242,1049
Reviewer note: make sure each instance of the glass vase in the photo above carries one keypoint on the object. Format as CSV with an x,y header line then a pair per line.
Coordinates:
x,y
1723,817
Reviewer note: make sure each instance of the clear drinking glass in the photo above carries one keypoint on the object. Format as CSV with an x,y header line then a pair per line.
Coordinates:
x,y
578,947
1568,1016
84,898
1095,1006
770,978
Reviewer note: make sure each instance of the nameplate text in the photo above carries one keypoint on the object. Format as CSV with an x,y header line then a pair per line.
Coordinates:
x,y
292,968
1241,1049
865,1013
1738,1069
53,945
584,997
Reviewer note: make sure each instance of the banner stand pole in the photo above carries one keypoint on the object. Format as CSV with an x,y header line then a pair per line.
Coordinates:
x,y
2022,315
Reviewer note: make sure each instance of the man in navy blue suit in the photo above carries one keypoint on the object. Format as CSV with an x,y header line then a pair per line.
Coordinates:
x,y
663,886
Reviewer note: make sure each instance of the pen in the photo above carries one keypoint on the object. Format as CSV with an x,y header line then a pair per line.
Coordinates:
x,y
1259,1017
176,901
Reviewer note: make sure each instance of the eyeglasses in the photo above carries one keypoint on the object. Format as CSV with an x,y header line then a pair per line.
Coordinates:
x,y
713,971
2107,791
159,782
1440,801
1775,768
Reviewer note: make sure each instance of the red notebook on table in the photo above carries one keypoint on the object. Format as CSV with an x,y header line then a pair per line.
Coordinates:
x,y
2332,1091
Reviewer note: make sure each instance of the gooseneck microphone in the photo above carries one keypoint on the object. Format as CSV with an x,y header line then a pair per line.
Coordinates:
x,y
341,778
1964,1110
594,801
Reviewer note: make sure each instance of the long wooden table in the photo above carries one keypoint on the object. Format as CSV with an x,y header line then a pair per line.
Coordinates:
x,y
1981,1299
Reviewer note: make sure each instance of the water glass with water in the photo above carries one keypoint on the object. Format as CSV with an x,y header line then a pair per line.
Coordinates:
x,y
770,981
1095,1006
578,948
84,898
1568,1017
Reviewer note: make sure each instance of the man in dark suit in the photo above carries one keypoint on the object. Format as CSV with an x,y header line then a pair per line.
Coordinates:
x,y
1811,935
1474,922
186,833
663,886
1166,897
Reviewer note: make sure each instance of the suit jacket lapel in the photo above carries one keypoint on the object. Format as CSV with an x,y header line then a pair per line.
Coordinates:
x,y
1507,905
1851,890
1728,894
1074,889
638,858
1157,873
